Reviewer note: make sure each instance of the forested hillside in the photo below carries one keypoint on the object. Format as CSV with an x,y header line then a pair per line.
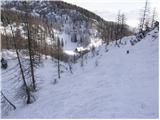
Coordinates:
x,y
58,20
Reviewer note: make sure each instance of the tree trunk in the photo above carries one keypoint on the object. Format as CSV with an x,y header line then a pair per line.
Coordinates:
x,y
21,69
8,101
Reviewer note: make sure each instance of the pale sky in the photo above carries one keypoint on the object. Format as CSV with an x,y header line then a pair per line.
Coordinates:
x,y
108,9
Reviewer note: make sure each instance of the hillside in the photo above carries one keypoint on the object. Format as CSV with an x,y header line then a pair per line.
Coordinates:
x,y
111,83
75,26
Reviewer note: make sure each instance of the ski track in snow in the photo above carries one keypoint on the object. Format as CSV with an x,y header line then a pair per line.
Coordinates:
x,y
121,86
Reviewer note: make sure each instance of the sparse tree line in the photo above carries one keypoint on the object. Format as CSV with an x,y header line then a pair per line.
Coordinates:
x,y
115,31
112,31
148,19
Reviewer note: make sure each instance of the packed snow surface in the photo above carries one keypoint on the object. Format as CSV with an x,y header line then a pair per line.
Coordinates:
x,y
111,84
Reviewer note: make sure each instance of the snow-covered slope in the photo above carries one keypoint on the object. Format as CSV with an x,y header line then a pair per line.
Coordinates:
x,y
113,84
